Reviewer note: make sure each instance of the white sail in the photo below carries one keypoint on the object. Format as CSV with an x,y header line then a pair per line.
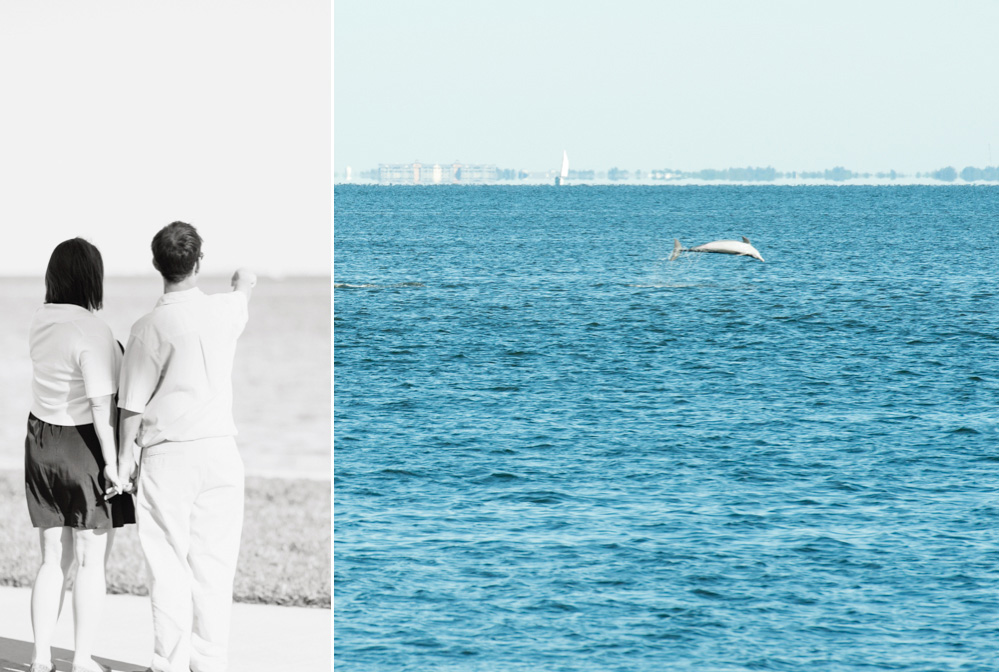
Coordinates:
x,y
565,165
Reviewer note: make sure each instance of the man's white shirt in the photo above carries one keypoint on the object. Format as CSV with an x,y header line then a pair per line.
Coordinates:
x,y
177,369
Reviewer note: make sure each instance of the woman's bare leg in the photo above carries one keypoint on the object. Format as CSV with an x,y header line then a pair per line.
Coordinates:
x,y
49,588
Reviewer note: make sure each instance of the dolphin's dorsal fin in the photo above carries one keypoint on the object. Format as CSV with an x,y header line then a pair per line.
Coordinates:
x,y
746,240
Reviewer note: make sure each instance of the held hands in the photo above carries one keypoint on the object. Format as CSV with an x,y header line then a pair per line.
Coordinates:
x,y
114,486
120,480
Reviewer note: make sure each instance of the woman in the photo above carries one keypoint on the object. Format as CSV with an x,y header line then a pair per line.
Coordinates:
x,y
70,461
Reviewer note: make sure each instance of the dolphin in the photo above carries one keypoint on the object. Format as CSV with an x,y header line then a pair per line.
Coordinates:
x,y
745,248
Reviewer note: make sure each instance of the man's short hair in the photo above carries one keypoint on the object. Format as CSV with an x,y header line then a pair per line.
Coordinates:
x,y
176,250
75,274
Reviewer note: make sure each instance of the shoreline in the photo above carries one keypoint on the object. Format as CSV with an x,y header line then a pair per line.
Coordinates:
x,y
858,182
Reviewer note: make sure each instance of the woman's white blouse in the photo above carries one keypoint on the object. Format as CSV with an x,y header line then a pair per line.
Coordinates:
x,y
75,358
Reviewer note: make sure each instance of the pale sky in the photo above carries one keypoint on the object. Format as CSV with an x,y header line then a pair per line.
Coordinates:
x,y
121,116
870,85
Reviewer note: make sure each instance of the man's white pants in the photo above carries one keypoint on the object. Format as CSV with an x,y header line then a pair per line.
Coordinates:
x,y
190,516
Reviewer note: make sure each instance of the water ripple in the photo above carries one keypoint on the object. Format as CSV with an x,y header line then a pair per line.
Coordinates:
x,y
558,451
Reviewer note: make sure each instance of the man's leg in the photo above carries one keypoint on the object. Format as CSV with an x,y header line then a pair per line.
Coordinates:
x,y
89,589
216,525
165,497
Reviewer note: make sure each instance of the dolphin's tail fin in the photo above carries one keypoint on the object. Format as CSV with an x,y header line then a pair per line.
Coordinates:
x,y
676,250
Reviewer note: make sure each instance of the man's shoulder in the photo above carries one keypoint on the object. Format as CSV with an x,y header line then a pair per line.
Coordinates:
x,y
147,322
228,297
236,303
168,317
148,318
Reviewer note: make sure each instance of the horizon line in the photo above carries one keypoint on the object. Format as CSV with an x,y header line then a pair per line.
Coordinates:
x,y
689,182
207,276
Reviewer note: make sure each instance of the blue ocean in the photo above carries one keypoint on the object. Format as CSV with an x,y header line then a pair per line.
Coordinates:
x,y
557,450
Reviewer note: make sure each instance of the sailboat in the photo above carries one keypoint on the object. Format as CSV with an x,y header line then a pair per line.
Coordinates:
x,y
564,173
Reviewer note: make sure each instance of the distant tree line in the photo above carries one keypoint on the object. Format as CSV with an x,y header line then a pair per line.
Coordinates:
x,y
511,174
969,174
837,174
947,174
747,174
988,174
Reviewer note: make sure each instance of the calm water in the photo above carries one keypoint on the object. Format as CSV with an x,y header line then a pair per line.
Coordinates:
x,y
556,450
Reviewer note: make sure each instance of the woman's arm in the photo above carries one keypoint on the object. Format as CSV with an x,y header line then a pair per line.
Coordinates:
x,y
104,413
130,424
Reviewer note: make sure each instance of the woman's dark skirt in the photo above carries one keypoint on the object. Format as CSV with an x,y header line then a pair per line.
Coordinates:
x,y
64,479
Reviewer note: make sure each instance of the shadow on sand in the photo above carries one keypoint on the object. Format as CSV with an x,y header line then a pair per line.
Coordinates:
x,y
15,656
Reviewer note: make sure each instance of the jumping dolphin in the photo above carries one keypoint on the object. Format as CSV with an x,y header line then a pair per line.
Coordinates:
x,y
745,248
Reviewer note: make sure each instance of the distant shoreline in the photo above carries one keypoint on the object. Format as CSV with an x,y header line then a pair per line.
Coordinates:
x,y
860,182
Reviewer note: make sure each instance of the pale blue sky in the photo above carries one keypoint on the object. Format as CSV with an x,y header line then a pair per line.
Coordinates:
x,y
869,85
121,116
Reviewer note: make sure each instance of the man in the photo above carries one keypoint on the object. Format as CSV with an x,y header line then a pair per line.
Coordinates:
x,y
175,394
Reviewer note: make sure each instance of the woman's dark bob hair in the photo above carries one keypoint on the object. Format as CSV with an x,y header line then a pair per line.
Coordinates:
x,y
75,275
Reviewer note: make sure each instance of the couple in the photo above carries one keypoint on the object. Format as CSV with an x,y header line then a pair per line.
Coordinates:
x,y
173,389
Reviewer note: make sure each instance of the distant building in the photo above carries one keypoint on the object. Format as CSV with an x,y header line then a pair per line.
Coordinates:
x,y
418,173
480,173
